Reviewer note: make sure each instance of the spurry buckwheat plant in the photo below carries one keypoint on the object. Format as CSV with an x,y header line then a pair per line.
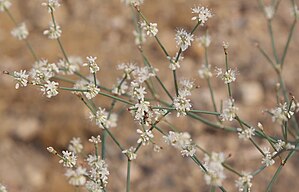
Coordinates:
x,y
136,91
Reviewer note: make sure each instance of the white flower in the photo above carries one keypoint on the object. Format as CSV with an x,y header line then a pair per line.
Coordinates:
x,y
145,136
267,159
50,88
138,91
128,68
183,39
98,172
182,105
225,45
112,120
181,141
215,170
229,110
69,159
4,4
69,67
205,72
93,186
85,84
2,187
202,14
175,62
228,76
92,91
120,89
54,31
133,2
247,133
20,32
205,40
95,140
269,11
186,87
100,117
42,71
142,74
130,153
140,37
51,4
93,66
281,144
149,28
244,183
75,145
281,113
21,78
76,177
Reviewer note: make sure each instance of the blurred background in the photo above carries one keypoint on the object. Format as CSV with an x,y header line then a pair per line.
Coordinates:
x,y
30,122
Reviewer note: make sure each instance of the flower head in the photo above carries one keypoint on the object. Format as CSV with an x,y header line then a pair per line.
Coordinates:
x,y
95,140
149,28
205,40
50,88
247,133
75,145
51,4
267,159
227,76
229,110
140,37
54,31
215,170
175,62
145,136
21,78
93,66
100,117
182,105
281,113
69,159
130,153
4,4
202,14
76,176
20,32
205,72
244,182
92,91
183,39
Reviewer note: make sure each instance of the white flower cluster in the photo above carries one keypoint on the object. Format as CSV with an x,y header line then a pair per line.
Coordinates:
x,y
269,11
145,136
181,103
282,145
75,145
267,159
140,37
4,4
50,88
151,29
181,141
133,2
244,183
229,110
215,170
88,85
98,173
205,71
127,68
282,113
205,40
130,153
20,32
202,14
93,66
54,31
175,61
2,187
69,159
141,74
95,140
183,39
247,133
42,71
100,117
51,4
21,78
227,76
76,177
70,67
120,88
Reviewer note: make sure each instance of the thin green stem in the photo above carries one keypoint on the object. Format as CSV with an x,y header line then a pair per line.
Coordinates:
x,y
128,176
272,41
269,187
288,42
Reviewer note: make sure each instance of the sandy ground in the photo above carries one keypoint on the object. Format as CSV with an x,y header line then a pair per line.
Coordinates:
x,y
30,122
